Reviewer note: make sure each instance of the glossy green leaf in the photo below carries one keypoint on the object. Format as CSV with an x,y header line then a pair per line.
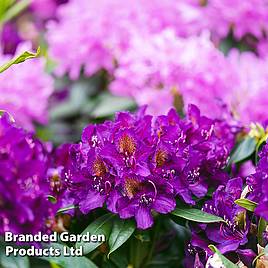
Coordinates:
x,y
70,261
247,204
245,149
224,261
193,214
121,231
19,59
101,226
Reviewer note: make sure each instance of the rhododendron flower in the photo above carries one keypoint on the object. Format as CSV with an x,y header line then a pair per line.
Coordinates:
x,y
154,72
228,236
24,162
102,30
141,196
242,17
24,91
252,83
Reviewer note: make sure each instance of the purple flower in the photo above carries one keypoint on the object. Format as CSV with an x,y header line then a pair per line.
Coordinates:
x,y
45,9
142,195
24,162
233,233
130,145
228,236
191,153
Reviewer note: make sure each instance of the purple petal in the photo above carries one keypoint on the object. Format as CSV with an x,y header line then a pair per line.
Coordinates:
x,y
93,200
144,218
112,201
164,204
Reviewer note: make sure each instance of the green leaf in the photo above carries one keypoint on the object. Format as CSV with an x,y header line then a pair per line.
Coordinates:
x,y
226,263
14,10
196,215
70,261
26,55
52,199
61,210
246,203
101,226
244,150
4,6
12,261
121,231
108,105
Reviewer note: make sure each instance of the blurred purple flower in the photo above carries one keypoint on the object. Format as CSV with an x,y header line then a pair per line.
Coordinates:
x,y
239,16
24,162
110,26
10,38
45,9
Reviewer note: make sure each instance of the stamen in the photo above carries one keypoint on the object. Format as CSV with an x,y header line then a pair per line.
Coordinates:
x,y
127,145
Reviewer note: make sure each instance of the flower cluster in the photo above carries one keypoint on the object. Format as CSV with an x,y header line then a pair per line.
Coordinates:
x,y
134,165
166,66
24,162
103,30
230,236
242,17
25,90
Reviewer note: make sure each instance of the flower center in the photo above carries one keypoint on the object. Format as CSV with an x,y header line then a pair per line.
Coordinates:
x,y
127,145
99,167
193,175
146,200
100,185
95,141
132,186
55,183
161,158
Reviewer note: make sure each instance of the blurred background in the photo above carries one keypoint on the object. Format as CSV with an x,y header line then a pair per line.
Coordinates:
x,y
99,57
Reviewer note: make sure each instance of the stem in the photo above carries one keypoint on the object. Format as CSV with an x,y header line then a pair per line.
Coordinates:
x,y
14,10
